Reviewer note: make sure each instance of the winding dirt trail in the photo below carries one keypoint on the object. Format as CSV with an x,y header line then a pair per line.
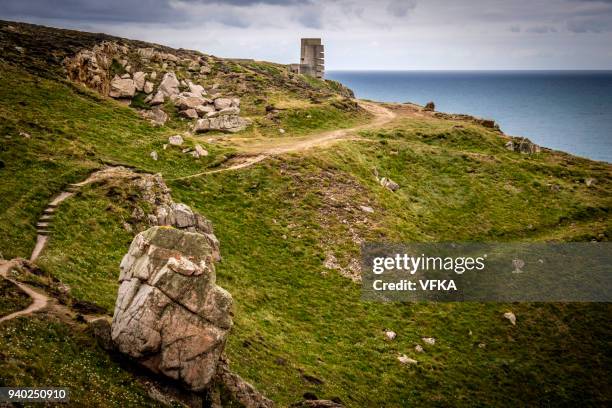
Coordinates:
x,y
261,150
39,300
254,153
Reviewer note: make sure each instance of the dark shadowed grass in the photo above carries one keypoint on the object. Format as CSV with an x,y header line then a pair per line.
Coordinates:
x,y
43,352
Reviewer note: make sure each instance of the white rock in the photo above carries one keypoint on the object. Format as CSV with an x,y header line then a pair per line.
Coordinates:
x,y
139,80
201,152
122,88
204,109
418,348
153,75
169,85
222,103
406,360
148,87
154,155
511,317
235,102
429,340
125,76
365,208
390,334
230,111
281,131
189,113
175,140
157,99
197,90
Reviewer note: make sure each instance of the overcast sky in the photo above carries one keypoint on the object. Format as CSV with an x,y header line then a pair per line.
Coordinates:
x,y
358,34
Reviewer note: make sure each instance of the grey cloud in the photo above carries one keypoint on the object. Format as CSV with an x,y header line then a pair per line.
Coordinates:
x,y
590,25
400,8
541,29
515,29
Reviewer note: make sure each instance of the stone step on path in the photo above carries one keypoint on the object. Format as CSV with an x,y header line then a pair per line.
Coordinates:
x,y
44,223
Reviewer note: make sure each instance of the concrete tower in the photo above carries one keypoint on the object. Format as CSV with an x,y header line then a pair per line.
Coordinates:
x,y
311,58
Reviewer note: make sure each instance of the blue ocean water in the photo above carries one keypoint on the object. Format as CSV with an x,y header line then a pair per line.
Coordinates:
x,y
563,110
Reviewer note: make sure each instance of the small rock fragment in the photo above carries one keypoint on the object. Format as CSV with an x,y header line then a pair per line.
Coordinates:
x,y
175,140
406,360
418,348
511,317
154,155
390,334
366,209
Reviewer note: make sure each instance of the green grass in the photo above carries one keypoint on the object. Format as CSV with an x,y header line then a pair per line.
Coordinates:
x,y
13,299
298,326
72,132
43,352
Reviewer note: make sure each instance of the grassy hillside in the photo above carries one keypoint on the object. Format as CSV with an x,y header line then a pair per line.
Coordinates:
x,y
299,326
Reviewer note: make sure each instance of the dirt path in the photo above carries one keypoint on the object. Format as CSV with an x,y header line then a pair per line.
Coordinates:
x,y
259,151
39,300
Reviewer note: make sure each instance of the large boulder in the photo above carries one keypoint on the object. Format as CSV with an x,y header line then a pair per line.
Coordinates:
x,y
224,123
122,88
189,102
222,103
156,115
139,80
169,85
170,315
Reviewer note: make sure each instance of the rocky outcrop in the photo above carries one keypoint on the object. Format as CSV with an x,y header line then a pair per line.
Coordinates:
x,y
122,88
95,67
169,85
225,123
170,315
156,116
522,145
239,390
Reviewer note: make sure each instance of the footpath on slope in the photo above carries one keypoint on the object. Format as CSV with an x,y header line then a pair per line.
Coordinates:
x,y
261,150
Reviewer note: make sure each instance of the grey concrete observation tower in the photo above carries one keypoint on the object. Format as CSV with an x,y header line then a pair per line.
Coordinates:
x,y
311,58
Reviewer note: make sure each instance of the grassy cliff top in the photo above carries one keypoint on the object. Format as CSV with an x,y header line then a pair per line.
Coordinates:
x,y
290,225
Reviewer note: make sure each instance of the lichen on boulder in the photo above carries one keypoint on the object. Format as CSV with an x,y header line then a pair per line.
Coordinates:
x,y
170,315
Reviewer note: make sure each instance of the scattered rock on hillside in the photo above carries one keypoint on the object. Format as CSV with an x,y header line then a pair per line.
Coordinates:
x,y
148,87
196,90
154,155
406,360
390,334
418,348
189,114
175,140
122,88
158,99
430,106
365,208
222,103
589,182
155,115
389,184
522,145
429,340
511,317
200,151
139,80
169,315
169,85
225,123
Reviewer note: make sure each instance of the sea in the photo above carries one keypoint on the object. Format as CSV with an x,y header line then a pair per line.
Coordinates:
x,y
563,110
